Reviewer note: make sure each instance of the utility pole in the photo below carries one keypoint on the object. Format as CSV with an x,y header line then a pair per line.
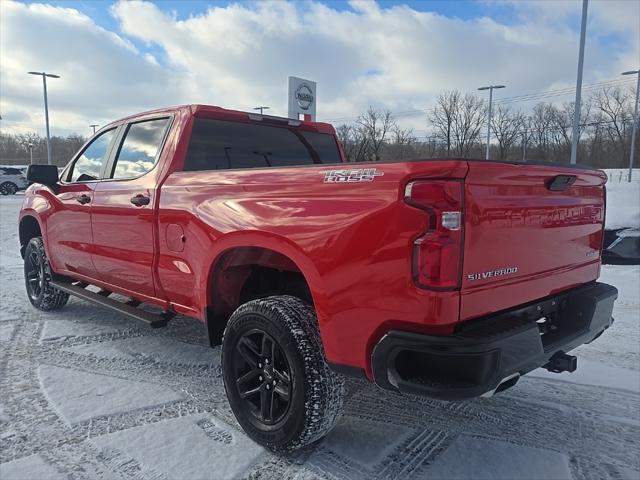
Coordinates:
x,y
261,109
46,108
635,120
94,125
490,88
577,106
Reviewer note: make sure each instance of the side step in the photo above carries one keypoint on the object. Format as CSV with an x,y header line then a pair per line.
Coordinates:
x,y
102,298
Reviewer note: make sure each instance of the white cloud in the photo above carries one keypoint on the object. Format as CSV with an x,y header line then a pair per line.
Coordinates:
x,y
240,55
103,75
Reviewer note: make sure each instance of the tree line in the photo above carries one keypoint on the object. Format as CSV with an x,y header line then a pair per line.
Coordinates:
x,y
17,149
457,126
457,123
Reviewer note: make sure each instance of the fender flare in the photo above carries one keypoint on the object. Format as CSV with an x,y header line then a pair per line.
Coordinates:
x,y
278,244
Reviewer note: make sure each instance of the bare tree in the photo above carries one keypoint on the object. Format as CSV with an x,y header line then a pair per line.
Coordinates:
x,y
541,123
507,127
354,142
614,105
376,125
402,143
442,115
467,122
562,125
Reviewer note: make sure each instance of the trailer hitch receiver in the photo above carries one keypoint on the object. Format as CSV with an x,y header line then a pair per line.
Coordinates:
x,y
561,362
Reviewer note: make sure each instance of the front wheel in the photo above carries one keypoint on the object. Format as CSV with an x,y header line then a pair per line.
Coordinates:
x,y
37,278
278,383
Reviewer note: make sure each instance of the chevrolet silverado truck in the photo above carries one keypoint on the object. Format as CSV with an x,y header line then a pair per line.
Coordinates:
x,y
446,278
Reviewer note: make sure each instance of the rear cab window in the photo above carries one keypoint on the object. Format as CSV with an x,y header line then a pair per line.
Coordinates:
x,y
224,145
140,148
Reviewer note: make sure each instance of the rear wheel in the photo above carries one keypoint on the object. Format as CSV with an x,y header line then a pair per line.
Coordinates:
x,y
37,277
8,188
279,385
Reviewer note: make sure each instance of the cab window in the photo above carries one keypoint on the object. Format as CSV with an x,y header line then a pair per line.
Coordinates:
x,y
140,148
89,164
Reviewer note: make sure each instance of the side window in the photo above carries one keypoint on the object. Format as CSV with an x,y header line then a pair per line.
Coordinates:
x,y
140,149
221,145
89,164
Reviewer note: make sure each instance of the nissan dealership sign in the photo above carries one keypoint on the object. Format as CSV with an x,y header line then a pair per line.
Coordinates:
x,y
302,98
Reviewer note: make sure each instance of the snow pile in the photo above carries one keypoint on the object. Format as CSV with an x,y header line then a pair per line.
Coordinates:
x,y
623,199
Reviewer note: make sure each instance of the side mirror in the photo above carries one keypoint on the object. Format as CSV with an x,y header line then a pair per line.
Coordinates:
x,y
44,174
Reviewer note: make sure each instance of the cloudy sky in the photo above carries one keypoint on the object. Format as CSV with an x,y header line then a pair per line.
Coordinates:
x,y
121,57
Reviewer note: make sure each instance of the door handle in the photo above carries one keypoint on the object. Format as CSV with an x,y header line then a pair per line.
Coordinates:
x,y
82,199
139,200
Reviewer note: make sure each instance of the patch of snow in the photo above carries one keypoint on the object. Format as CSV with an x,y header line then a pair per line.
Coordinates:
x,y
623,205
79,396
4,418
55,329
6,330
346,437
182,448
626,278
629,474
481,458
32,467
596,374
156,348
620,345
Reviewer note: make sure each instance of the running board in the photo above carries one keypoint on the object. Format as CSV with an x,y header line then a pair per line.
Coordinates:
x,y
102,298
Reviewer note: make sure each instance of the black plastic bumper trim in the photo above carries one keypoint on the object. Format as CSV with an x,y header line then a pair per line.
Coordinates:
x,y
484,352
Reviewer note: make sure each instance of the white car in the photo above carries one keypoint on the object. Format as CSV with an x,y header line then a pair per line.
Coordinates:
x,y
12,179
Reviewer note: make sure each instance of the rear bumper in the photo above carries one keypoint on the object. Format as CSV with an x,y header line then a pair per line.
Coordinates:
x,y
490,353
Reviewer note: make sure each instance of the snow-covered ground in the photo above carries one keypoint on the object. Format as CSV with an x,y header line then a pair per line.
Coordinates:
x,y
623,198
86,393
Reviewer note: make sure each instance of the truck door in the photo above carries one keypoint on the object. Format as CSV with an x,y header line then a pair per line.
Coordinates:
x,y
122,215
69,224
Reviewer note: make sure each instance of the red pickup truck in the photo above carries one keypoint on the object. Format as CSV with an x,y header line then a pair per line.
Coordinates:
x,y
446,278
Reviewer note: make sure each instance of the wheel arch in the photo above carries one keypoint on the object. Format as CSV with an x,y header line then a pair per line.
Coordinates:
x,y
28,228
245,270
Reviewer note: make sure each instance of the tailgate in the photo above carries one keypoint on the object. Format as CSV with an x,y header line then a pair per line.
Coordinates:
x,y
526,239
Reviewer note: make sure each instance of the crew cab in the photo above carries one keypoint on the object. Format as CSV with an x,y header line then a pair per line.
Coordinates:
x,y
448,278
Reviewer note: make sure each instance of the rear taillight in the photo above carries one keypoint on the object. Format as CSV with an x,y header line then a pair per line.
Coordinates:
x,y
437,253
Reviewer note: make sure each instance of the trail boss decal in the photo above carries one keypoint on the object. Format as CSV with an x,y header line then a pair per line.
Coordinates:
x,y
472,277
354,175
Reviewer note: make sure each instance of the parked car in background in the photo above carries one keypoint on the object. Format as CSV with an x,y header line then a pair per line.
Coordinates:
x,y
13,179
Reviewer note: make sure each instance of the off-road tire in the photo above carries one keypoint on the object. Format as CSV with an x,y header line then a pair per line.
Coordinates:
x,y
8,188
42,296
316,392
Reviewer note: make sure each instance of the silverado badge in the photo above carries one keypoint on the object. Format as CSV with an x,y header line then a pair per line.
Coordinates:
x,y
492,273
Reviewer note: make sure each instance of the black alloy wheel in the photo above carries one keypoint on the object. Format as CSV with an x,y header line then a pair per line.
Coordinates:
x,y
34,274
263,377
38,276
279,386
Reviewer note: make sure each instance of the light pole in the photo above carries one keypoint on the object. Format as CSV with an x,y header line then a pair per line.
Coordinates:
x,y
490,88
261,109
94,125
635,120
577,106
30,153
46,108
